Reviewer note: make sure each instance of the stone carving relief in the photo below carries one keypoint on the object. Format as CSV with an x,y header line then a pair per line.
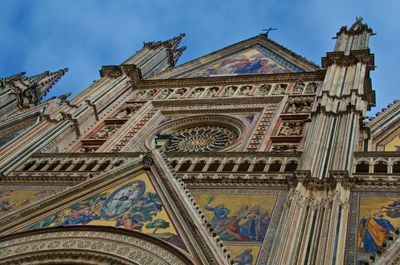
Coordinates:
x,y
284,148
212,91
201,139
88,149
298,87
138,95
178,93
105,132
149,94
279,89
196,93
262,127
229,91
244,91
263,90
291,128
165,93
128,110
311,88
296,106
131,249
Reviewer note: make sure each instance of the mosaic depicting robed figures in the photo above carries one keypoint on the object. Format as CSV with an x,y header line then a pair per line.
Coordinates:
x,y
132,205
379,218
12,198
241,221
256,60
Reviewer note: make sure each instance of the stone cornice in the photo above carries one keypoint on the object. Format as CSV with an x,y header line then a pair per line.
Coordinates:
x,y
234,154
339,58
218,101
87,155
317,75
47,179
377,154
374,183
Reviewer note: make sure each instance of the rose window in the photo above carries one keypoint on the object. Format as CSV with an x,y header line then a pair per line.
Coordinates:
x,y
201,139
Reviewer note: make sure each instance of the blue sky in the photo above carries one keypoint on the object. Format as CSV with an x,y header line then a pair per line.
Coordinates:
x,y
83,35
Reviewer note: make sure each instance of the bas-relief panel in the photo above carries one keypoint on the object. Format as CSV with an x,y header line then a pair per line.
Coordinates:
x,y
374,216
242,218
132,205
256,60
12,198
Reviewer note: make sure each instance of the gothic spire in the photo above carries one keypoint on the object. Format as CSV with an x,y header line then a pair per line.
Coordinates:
x,y
20,91
169,44
48,80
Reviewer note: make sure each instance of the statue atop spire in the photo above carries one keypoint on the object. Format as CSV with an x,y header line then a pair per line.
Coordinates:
x,y
354,38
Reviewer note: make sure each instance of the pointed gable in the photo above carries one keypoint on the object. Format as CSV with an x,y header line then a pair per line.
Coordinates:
x,y
254,60
257,55
133,204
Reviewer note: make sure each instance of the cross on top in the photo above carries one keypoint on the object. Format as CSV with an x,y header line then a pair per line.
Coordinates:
x,y
267,31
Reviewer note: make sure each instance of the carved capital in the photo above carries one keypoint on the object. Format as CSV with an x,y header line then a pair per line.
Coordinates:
x,y
339,58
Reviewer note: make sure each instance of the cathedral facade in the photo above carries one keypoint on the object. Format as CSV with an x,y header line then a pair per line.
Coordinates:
x,y
248,155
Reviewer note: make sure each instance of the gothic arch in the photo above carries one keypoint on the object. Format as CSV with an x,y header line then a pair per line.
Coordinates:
x,y
87,245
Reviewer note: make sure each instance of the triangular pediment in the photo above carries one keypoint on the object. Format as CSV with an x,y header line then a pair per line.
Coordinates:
x,y
129,201
258,55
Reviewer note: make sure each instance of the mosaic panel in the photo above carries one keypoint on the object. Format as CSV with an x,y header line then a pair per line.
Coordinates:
x,y
132,205
374,217
246,220
256,60
13,198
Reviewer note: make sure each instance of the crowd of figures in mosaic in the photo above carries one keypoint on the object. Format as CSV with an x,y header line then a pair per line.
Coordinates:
x,y
12,198
299,88
132,205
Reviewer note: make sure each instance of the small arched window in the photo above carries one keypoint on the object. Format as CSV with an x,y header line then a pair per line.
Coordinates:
x,y
91,165
29,165
362,167
259,166
66,165
78,165
244,166
228,167
275,167
291,166
199,166
214,166
53,165
185,166
380,167
396,167
41,165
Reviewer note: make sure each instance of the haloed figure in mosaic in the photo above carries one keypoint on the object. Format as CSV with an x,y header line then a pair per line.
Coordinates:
x,y
247,224
244,258
374,230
